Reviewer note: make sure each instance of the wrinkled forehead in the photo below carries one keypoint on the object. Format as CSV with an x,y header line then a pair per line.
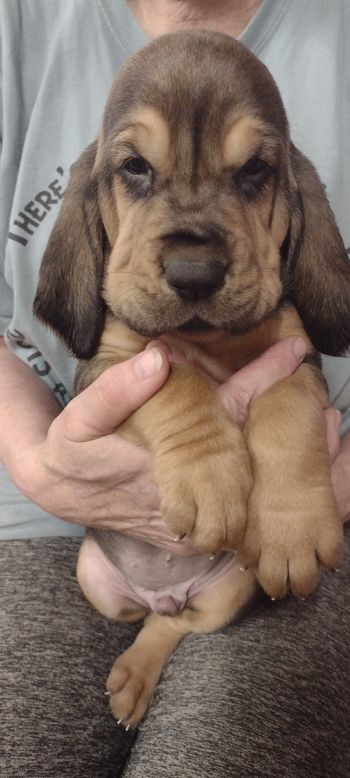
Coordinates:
x,y
191,149
198,87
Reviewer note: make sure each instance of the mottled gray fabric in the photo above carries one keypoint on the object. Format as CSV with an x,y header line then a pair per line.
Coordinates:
x,y
268,697
55,654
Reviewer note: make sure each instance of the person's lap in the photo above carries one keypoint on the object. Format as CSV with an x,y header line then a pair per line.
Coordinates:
x,y
56,652
266,697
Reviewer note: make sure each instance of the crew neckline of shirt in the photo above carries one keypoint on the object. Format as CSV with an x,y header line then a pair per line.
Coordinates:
x,y
130,35
123,25
262,26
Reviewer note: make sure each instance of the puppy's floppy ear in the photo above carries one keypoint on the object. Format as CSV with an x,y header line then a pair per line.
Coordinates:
x,y
68,297
319,268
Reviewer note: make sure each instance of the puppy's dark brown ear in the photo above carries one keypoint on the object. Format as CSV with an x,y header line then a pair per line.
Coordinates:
x,y
319,268
68,297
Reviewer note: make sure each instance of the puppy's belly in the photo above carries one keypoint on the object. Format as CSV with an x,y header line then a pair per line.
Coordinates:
x,y
144,564
150,576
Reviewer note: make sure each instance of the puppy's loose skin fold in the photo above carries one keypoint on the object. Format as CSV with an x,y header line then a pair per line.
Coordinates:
x,y
193,218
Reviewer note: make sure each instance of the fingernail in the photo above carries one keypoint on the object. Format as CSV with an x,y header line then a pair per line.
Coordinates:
x,y
148,363
157,344
299,348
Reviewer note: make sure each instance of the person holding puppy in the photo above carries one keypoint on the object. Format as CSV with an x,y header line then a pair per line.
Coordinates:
x,y
53,455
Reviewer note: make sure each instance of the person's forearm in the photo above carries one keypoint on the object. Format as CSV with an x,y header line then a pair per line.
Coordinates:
x,y
27,407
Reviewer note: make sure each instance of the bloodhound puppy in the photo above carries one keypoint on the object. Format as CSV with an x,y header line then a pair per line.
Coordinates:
x,y
193,218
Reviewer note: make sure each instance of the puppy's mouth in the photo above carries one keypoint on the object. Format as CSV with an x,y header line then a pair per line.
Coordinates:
x,y
155,316
196,324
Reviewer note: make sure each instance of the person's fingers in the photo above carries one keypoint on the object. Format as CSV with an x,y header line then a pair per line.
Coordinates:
x,y
109,400
333,425
278,362
172,353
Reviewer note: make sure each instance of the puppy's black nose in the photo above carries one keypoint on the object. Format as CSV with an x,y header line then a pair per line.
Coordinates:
x,y
195,279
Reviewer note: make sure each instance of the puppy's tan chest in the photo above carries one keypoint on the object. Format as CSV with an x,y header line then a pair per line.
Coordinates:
x,y
217,353
220,354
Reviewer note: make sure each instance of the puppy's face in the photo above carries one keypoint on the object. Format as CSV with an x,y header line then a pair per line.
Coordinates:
x,y
194,194
194,210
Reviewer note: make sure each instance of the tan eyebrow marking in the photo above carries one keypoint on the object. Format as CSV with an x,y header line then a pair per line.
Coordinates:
x,y
148,134
246,137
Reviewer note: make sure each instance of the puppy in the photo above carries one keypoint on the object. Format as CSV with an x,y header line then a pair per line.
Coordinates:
x,y
193,218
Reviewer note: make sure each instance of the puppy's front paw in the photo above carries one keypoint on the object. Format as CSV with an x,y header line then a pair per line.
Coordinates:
x,y
290,536
204,488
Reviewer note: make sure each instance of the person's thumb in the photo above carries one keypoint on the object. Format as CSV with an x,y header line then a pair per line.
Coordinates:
x,y
278,362
115,394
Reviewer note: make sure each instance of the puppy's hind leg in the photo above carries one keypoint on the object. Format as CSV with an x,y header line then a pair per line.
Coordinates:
x,y
135,674
221,603
103,586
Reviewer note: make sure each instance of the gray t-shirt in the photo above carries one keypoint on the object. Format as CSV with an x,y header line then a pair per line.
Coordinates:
x,y
58,61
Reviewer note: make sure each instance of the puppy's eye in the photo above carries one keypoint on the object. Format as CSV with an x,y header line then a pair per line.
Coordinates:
x,y
255,167
253,175
137,166
138,176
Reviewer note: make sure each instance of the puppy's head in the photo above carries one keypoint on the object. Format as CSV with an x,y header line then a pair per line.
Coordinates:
x,y
193,210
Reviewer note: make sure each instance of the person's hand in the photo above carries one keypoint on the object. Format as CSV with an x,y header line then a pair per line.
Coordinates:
x,y
278,362
239,391
82,471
